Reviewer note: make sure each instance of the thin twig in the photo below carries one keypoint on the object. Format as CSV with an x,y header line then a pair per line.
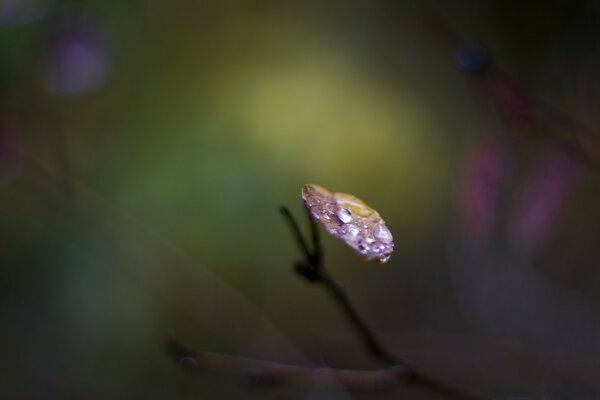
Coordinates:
x,y
262,372
273,373
297,233
370,341
258,371
318,254
315,258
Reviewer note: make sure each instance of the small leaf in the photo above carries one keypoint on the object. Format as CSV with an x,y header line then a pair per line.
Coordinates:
x,y
350,219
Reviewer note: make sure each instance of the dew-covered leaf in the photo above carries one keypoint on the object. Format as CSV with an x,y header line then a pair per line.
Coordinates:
x,y
350,219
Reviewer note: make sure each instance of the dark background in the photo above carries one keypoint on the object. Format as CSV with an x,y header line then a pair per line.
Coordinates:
x,y
145,147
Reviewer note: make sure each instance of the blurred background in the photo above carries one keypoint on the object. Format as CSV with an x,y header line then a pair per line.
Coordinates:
x,y
145,148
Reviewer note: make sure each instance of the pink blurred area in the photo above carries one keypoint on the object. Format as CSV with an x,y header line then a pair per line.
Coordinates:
x,y
546,191
480,186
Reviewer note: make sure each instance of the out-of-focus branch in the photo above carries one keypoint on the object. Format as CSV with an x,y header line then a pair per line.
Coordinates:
x,y
269,373
273,373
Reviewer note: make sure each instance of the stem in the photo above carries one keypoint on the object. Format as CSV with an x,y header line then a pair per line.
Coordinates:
x,y
273,373
370,341
297,233
318,254
337,291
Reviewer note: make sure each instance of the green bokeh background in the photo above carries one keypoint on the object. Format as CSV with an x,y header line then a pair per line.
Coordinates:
x,y
149,208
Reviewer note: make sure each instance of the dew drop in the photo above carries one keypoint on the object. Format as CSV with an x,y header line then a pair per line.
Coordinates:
x,y
353,230
344,215
383,234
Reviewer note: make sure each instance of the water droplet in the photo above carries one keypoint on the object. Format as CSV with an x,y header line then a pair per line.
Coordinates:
x,y
383,234
353,230
344,215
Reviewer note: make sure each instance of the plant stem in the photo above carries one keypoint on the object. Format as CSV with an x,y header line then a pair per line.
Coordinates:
x,y
371,343
369,340
314,257
273,373
297,233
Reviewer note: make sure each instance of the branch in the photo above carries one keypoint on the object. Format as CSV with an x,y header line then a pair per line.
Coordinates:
x,y
298,236
369,340
277,374
314,270
395,373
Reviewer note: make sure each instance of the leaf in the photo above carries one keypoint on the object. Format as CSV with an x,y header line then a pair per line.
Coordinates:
x,y
350,219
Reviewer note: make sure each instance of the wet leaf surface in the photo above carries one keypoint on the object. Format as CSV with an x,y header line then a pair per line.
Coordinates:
x,y
350,219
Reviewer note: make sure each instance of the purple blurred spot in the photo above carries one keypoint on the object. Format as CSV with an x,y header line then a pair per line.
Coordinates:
x,y
77,60
471,57
547,189
21,12
479,187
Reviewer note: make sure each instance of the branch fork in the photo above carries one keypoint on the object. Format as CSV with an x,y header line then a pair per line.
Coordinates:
x,y
394,371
